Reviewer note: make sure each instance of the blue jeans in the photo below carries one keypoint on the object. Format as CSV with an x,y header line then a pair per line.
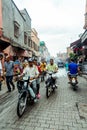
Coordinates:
x,y
33,89
0,85
9,82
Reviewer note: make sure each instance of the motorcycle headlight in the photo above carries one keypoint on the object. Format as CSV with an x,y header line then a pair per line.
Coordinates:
x,y
73,80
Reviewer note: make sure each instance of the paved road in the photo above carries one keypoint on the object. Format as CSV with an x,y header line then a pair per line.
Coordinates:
x,y
59,112
62,72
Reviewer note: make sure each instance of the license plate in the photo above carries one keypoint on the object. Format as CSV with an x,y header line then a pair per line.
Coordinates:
x,y
73,80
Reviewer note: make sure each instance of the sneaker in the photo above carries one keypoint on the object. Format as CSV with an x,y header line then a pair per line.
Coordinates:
x,y
35,100
38,95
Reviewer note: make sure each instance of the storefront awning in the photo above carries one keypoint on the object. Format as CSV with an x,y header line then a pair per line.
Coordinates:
x,y
9,51
3,45
76,43
84,36
24,53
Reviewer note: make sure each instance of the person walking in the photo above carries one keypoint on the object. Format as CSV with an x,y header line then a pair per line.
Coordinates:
x,y
9,67
1,70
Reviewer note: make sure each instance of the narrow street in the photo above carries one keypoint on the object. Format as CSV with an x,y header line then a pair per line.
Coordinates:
x,y
59,112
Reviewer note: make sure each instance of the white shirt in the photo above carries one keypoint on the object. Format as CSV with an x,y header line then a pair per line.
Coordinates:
x,y
30,72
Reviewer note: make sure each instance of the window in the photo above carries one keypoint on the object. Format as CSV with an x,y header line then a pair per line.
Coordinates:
x,y
32,44
16,29
29,42
25,37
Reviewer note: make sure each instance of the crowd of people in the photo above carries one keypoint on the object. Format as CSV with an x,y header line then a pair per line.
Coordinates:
x,y
31,68
25,68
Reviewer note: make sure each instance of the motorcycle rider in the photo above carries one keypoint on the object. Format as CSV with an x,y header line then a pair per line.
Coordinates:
x,y
54,68
39,78
73,70
43,68
32,72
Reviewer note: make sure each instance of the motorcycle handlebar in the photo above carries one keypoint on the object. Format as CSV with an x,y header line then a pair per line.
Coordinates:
x,y
51,72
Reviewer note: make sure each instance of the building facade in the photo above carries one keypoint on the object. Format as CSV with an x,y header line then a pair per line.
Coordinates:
x,y
84,35
35,42
85,25
15,28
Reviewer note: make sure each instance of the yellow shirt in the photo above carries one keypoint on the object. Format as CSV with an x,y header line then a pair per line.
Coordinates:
x,y
43,66
52,67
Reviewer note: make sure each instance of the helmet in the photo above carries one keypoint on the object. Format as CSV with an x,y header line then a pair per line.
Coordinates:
x,y
30,60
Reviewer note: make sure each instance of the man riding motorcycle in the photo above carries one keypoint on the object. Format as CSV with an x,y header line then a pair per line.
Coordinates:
x,y
32,72
53,68
73,70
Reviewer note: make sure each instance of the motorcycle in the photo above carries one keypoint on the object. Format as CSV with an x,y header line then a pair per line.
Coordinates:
x,y
24,96
50,84
43,76
74,81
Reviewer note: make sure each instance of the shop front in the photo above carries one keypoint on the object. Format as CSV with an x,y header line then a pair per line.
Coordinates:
x,y
84,43
77,47
16,52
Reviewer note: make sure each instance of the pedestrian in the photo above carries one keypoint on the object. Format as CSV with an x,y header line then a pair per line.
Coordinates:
x,y
1,70
9,67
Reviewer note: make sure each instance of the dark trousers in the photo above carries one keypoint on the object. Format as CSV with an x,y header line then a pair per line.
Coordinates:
x,y
38,87
9,82
0,85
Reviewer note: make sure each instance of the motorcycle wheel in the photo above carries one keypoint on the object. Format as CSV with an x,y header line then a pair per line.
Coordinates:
x,y
74,87
48,91
21,106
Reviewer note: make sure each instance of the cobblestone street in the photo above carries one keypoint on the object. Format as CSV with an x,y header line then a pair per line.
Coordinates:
x,y
58,112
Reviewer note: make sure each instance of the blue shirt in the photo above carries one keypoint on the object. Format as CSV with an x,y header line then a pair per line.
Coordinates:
x,y
73,68
9,68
